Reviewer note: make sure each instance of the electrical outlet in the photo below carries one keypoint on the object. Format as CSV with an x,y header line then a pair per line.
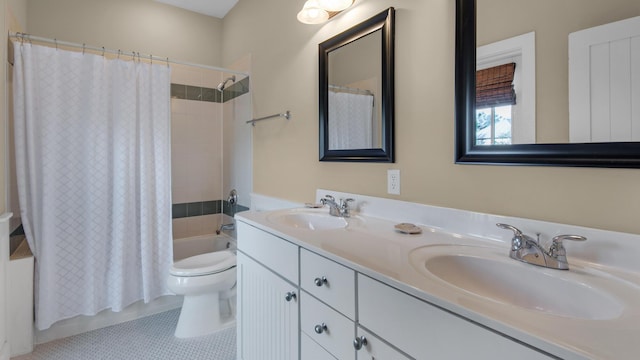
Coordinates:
x,y
393,181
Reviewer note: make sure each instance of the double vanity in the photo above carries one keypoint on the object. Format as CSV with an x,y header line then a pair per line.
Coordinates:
x,y
312,285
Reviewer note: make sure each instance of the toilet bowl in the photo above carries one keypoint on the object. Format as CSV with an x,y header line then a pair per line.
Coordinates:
x,y
204,280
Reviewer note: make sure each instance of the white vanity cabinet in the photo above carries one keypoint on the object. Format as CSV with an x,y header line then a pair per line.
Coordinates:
x,y
296,304
424,331
268,296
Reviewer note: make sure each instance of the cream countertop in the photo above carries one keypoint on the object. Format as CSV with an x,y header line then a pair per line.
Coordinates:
x,y
375,249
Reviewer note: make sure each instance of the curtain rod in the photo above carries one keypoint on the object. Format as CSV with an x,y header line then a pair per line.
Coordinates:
x,y
102,50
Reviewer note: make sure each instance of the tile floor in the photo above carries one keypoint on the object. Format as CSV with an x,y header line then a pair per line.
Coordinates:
x,y
149,338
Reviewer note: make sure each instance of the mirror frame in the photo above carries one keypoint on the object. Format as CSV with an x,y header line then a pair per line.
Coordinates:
x,y
613,155
385,22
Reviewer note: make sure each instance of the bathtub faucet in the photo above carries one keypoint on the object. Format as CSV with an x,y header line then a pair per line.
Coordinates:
x,y
222,227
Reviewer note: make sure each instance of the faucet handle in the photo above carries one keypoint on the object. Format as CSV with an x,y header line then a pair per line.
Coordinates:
x,y
345,202
326,198
518,237
557,249
515,230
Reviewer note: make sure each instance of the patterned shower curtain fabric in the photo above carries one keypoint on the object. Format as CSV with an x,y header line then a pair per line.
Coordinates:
x,y
350,121
92,139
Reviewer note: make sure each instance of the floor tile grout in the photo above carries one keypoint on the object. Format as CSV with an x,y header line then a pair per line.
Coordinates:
x,y
149,338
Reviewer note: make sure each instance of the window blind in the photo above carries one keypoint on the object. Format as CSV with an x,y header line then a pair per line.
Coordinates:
x,y
494,86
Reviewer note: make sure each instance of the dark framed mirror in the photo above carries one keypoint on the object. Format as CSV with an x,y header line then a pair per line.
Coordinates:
x,y
356,92
620,154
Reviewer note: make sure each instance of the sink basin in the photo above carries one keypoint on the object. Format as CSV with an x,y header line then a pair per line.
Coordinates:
x,y
490,274
311,220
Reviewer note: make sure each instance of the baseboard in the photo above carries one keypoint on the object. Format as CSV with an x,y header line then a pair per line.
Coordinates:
x,y
81,324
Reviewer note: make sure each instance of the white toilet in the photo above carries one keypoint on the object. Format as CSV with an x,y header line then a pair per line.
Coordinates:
x,y
204,280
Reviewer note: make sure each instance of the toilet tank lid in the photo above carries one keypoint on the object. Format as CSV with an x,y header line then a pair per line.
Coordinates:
x,y
203,264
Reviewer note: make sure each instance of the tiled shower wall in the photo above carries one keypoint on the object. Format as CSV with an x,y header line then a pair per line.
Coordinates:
x,y
196,149
199,195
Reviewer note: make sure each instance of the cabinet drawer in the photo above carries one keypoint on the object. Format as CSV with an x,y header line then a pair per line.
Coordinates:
x,y
376,349
336,336
273,252
312,351
424,331
328,281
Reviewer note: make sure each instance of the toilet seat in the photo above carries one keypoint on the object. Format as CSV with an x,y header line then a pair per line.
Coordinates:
x,y
204,264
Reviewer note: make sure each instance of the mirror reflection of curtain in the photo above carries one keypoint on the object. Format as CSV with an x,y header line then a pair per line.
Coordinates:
x,y
350,121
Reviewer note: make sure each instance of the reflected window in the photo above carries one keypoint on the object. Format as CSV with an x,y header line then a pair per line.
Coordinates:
x,y
495,98
493,125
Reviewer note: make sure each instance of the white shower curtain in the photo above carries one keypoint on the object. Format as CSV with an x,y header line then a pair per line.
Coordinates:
x,y
93,159
350,121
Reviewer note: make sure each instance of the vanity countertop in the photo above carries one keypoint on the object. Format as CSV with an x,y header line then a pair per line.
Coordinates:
x,y
384,254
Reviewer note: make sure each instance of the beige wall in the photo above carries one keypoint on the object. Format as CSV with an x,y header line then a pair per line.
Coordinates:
x,y
284,77
552,23
143,26
14,19
3,120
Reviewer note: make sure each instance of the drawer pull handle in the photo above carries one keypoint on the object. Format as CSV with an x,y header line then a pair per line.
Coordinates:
x,y
359,342
290,296
320,328
320,281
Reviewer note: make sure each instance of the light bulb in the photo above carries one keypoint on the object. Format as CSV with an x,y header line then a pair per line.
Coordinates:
x,y
334,5
311,13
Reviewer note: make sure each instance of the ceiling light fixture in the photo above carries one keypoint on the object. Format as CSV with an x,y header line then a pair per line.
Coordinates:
x,y
335,5
312,13
319,11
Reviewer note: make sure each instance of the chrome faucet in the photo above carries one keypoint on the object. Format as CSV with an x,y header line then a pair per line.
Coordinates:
x,y
340,209
222,227
524,248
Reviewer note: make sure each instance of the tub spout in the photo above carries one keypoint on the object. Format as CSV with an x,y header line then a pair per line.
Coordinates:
x,y
222,227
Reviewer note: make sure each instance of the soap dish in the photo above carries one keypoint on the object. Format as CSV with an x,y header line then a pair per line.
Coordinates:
x,y
408,228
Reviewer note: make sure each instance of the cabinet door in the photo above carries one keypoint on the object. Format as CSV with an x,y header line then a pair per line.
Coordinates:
x,y
376,349
267,318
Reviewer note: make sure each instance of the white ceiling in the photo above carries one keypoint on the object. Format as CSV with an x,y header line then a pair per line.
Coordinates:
x,y
215,8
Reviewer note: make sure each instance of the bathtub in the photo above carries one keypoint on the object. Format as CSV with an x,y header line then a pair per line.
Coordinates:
x,y
196,245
